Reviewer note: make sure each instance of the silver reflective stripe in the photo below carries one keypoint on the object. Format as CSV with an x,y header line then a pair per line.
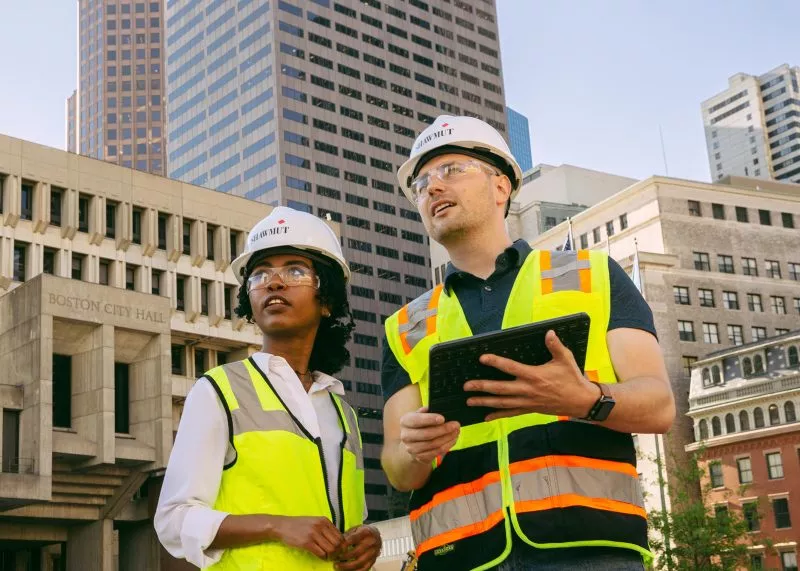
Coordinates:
x,y
418,312
563,270
353,443
458,512
250,417
587,482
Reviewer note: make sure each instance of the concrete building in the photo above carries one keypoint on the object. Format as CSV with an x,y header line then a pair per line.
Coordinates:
x,y
315,105
519,138
752,128
71,144
115,294
549,195
744,402
119,107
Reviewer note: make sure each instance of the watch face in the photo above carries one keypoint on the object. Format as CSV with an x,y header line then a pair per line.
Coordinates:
x,y
604,409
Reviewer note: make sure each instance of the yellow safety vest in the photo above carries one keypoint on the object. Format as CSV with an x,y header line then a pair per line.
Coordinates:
x,y
555,482
279,469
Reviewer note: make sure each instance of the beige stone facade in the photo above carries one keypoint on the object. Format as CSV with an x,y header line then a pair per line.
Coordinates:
x,y
115,294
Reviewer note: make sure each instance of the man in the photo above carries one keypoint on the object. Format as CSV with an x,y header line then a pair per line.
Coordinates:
x,y
267,470
548,480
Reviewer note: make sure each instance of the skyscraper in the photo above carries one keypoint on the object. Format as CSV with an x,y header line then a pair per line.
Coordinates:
x,y
752,128
71,123
519,138
314,105
118,110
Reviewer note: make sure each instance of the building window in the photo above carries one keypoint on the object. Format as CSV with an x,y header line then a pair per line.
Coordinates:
x,y
681,295
759,333
750,510
62,391
187,236
200,361
155,282
688,361
715,472
111,219
610,228
210,230
83,213
180,293
793,357
788,219
20,255
162,230
773,269
710,333
703,429
228,301
623,222
706,376
701,261
741,214
730,300
234,243
774,415
694,208
765,217
11,460
725,264
49,261
204,297
584,239
794,271
730,423
754,302
56,199
744,420
774,465
178,360
121,398
130,277
706,297
796,302
26,201
778,304
718,211
758,418
77,266
596,235
745,469
749,267
136,225
789,561
736,334
686,330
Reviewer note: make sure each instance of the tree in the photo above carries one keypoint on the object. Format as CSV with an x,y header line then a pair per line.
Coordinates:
x,y
693,536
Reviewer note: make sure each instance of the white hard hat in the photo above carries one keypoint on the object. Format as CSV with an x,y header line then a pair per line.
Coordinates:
x,y
465,135
287,228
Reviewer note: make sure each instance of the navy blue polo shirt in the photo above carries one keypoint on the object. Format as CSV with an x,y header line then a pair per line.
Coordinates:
x,y
484,302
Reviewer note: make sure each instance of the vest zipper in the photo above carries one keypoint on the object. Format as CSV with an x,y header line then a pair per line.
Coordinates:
x,y
318,442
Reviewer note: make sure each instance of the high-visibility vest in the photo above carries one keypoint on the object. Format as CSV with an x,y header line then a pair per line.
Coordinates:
x,y
554,482
279,469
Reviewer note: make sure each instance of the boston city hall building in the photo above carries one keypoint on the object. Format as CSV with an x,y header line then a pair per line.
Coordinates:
x,y
115,294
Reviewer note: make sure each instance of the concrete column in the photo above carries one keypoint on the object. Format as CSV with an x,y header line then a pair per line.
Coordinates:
x,y
93,393
151,398
90,547
138,547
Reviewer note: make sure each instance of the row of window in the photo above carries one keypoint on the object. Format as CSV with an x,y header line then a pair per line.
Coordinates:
x,y
735,332
730,299
610,231
725,265
718,212
731,427
750,366
752,517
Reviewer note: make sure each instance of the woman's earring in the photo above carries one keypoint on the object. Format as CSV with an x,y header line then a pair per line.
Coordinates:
x,y
326,312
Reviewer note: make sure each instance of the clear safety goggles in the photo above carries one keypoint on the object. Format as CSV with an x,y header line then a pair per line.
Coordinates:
x,y
448,173
289,275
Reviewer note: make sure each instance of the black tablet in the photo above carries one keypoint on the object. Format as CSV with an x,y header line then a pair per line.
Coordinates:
x,y
453,363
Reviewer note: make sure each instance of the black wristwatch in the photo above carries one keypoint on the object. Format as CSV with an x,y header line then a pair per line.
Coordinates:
x,y
603,406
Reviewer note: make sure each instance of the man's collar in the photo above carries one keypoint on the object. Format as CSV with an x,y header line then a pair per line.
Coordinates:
x,y
512,257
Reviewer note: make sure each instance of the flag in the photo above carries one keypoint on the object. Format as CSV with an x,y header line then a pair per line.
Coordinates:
x,y
569,241
636,275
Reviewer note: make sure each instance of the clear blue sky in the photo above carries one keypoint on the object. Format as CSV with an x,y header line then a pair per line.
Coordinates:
x,y
594,77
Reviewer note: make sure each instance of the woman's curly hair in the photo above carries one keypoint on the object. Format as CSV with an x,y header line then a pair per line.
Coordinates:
x,y
329,353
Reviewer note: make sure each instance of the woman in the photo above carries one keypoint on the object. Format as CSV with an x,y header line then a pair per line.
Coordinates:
x,y
267,469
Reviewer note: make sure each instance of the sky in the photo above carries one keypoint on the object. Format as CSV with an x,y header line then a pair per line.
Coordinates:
x,y
596,78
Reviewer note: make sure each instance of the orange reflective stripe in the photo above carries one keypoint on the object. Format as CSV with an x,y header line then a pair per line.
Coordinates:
x,y
593,375
430,322
402,319
572,462
460,533
574,500
544,264
456,491
585,274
